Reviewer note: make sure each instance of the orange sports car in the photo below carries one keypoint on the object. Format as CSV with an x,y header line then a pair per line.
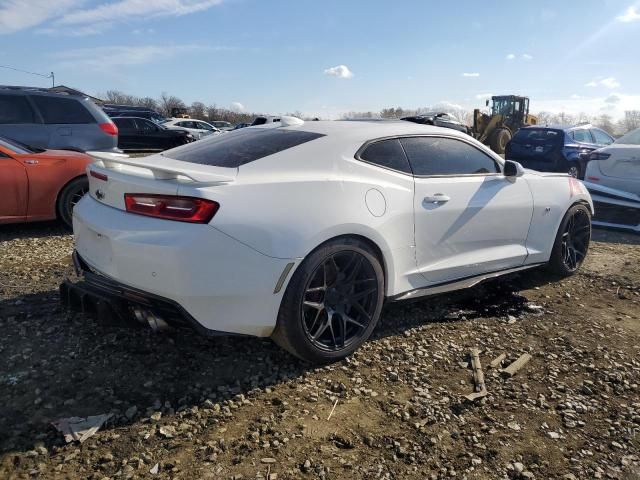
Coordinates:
x,y
38,184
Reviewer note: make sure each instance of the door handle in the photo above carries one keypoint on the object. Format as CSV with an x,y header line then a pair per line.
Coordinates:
x,y
437,198
31,162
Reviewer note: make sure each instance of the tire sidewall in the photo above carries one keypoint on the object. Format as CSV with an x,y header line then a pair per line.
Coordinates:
x,y
290,322
65,198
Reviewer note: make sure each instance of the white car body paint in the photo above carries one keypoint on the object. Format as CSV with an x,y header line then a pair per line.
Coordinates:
x,y
198,128
276,210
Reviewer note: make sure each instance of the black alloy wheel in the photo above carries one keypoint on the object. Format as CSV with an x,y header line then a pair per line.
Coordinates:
x,y
575,240
339,301
572,241
332,302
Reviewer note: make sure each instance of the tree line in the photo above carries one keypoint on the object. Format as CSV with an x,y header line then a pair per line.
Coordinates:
x,y
630,121
199,110
166,103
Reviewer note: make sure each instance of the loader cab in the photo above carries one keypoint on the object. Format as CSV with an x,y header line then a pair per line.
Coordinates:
x,y
510,106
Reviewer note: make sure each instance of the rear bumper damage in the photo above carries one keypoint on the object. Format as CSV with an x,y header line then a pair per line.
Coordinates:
x,y
614,208
112,302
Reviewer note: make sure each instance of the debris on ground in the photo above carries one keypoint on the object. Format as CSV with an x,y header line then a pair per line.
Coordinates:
x,y
78,429
478,377
514,367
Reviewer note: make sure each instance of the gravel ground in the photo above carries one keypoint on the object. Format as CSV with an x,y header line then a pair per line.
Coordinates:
x,y
186,407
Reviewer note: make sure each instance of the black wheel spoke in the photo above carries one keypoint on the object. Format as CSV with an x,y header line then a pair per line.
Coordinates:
x,y
575,240
340,300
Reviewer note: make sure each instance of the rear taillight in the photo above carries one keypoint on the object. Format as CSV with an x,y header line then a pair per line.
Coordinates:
x,y
169,207
109,128
599,156
593,179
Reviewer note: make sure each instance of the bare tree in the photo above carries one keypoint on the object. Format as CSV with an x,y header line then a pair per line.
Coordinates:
x,y
118,97
169,102
631,120
198,110
147,102
605,122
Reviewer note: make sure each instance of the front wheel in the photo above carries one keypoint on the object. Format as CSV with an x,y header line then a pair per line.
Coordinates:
x,y
499,140
70,195
332,303
572,241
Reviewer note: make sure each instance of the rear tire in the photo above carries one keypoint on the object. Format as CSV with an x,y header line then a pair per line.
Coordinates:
x,y
69,196
572,242
332,303
499,140
574,170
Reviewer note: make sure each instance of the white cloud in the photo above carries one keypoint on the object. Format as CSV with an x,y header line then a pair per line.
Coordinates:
x,y
631,14
237,107
78,31
608,82
106,58
474,74
575,96
340,71
511,56
526,56
128,9
615,105
482,96
16,15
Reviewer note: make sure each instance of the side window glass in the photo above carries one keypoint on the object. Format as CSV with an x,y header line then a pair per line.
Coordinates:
x,y
446,156
15,109
581,136
145,125
601,137
388,154
62,110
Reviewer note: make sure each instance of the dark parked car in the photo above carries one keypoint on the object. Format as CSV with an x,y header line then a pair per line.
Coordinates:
x,y
556,149
55,121
114,110
140,134
439,119
241,125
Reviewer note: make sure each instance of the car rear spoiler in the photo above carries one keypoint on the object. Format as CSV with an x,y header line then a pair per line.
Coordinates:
x,y
163,170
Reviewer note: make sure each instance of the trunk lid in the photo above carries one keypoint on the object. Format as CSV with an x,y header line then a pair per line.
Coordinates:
x,y
112,175
624,162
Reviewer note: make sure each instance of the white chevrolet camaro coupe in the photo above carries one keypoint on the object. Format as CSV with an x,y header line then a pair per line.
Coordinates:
x,y
302,232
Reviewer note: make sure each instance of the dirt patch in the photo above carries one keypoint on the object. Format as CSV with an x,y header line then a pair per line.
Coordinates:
x,y
226,407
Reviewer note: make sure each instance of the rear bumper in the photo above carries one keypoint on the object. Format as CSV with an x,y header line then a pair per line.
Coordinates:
x,y
614,208
210,278
110,300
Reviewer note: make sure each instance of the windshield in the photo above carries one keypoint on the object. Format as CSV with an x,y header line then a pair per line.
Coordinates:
x,y
631,138
502,106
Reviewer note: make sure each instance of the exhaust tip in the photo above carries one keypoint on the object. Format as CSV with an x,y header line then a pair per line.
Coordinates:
x,y
147,317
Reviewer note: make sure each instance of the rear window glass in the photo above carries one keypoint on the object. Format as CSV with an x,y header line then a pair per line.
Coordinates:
x,y
15,109
537,135
388,154
631,138
582,136
62,110
239,147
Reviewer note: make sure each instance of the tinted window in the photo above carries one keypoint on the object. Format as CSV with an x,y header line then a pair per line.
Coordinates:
x,y
537,135
581,136
601,137
146,125
62,110
124,123
15,109
388,154
242,146
257,121
446,156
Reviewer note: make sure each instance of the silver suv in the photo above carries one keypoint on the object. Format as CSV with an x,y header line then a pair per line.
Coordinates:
x,y
44,119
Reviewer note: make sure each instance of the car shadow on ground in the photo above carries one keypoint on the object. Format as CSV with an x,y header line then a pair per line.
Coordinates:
x,y
32,230
63,364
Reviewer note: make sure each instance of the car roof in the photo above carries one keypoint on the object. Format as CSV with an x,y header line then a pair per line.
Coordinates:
x,y
363,130
566,128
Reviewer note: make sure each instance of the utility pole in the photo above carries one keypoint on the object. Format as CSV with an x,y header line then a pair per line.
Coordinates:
x,y
51,75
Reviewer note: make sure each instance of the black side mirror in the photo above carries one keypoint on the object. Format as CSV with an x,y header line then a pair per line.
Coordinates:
x,y
513,169
486,103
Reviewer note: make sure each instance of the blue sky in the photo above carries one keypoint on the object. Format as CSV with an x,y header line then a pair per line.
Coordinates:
x,y
325,58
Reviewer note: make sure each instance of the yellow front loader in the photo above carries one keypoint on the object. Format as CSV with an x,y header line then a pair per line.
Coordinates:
x,y
508,114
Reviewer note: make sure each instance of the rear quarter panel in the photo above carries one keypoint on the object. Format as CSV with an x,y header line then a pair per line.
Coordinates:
x,y
285,205
553,195
47,179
